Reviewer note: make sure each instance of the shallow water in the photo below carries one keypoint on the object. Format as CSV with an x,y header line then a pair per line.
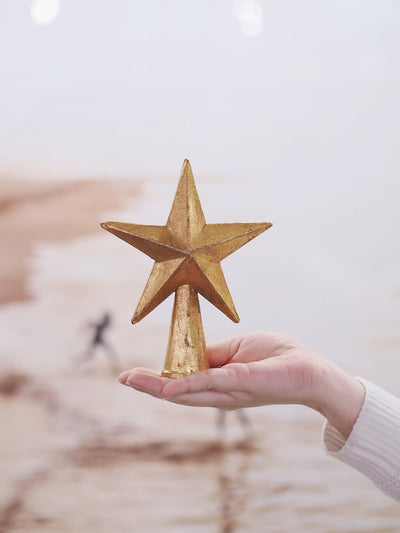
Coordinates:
x,y
104,458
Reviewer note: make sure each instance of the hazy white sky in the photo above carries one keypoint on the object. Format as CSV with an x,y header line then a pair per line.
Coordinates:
x,y
132,88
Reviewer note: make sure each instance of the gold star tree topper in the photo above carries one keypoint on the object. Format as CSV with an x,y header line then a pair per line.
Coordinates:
x,y
187,253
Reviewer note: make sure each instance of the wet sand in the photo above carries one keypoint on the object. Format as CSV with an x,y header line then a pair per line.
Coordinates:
x,y
79,452
77,472
32,212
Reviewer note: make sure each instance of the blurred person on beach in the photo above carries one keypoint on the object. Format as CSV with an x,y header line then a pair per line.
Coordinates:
x,y
98,341
362,426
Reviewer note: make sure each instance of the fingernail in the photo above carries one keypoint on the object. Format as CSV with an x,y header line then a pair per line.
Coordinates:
x,y
122,378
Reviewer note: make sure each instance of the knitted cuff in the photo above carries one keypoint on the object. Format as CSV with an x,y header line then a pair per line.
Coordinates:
x,y
373,446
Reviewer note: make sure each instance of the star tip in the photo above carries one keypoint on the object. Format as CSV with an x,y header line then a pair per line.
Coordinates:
x,y
186,166
137,317
264,226
235,318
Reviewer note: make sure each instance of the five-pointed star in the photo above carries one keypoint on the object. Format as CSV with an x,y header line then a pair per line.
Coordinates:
x,y
187,250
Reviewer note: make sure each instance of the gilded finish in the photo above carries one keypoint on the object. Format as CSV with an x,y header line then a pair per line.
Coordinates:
x,y
187,253
186,352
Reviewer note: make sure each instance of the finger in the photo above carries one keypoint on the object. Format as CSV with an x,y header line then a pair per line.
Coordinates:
x,y
231,377
147,381
125,375
208,398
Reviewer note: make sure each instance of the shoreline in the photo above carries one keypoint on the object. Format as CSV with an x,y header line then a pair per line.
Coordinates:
x,y
43,211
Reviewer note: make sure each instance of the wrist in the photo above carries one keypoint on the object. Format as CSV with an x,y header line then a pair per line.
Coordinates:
x,y
339,397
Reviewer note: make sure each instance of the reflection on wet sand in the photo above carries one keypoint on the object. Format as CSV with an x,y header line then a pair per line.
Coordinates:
x,y
82,470
242,418
234,489
100,450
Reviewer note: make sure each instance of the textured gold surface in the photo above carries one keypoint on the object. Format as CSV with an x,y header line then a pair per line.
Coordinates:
x,y
187,253
186,351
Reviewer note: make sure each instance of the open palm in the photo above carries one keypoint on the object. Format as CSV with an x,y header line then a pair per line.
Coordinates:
x,y
248,370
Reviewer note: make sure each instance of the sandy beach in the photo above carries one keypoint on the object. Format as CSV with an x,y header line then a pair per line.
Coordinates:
x,y
79,452
34,212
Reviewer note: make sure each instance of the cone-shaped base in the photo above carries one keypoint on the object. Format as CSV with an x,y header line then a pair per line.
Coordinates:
x,y
186,351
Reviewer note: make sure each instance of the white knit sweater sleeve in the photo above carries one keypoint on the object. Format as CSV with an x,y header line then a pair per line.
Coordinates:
x,y
373,446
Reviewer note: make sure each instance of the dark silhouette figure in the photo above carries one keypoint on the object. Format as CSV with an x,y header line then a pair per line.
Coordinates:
x,y
98,341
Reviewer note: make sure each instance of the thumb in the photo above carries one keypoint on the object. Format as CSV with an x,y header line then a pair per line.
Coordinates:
x,y
221,352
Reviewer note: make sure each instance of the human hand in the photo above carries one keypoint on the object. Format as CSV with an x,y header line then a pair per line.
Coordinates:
x,y
261,369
